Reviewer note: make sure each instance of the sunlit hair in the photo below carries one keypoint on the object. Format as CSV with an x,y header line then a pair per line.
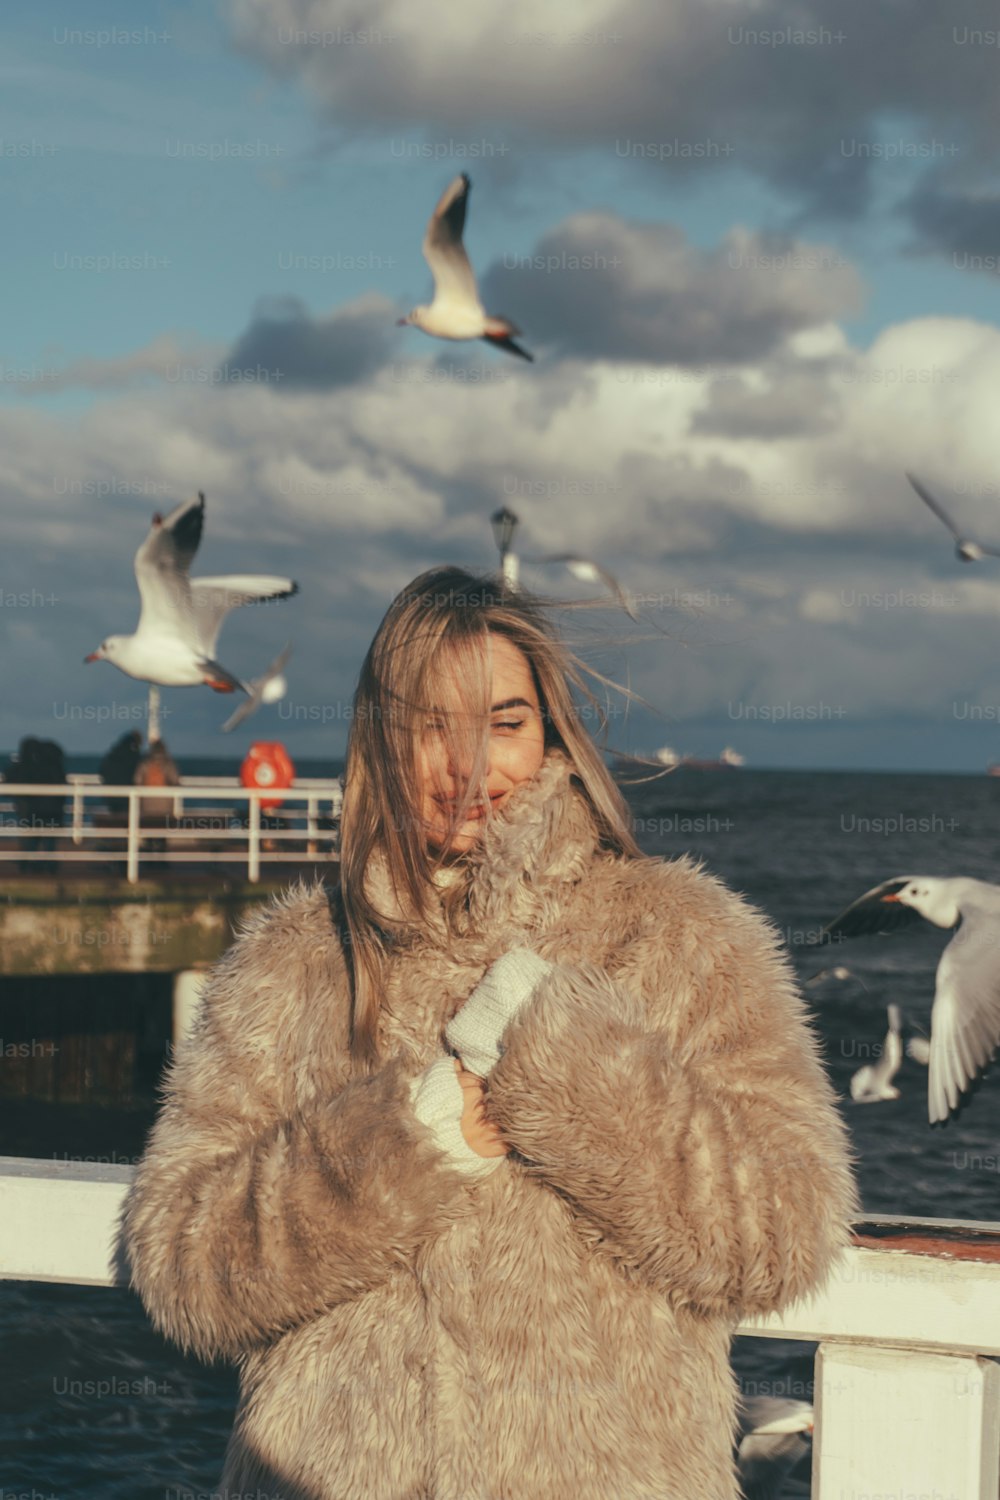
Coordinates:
x,y
437,632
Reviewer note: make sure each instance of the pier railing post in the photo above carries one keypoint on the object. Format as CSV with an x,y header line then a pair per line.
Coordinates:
x,y
132,854
253,850
905,1421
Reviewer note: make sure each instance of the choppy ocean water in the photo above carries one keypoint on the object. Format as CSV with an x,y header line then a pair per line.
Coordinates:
x,y
99,1407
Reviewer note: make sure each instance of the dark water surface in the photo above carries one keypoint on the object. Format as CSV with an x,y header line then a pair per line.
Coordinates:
x,y
99,1407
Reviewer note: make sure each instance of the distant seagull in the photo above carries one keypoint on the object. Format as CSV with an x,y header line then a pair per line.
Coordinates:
x,y
590,572
873,1082
174,642
965,549
456,311
919,1048
839,971
774,1436
270,687
965,1018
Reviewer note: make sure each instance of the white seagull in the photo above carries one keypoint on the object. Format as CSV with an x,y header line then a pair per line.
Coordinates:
x,y
590,572
456,311
174,642
965,548
270,687
965,1019
873,1082
774,1435
919,1048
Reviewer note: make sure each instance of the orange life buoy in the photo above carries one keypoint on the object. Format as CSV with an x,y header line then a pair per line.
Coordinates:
x,y
267,764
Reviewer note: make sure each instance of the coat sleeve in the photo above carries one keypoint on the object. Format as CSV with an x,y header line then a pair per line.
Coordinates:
x,y
249,1215
678,1101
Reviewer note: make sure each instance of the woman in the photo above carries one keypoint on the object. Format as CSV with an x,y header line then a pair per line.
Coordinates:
x,y
475,1180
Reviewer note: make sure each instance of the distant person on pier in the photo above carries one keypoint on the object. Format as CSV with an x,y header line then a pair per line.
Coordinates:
x,y
119,766
474,1163
38,763
156,768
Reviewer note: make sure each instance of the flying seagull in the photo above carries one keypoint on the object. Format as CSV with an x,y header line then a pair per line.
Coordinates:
x,y
965,549
456,311
589,572
965,1018
270,687
174,642
873,1082
774,1435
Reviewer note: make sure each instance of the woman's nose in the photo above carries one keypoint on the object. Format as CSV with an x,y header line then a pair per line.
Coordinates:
x,y
460,764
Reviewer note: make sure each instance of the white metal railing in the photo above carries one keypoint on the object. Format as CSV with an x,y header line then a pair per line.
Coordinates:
x,y
297,830
907,1391
91,778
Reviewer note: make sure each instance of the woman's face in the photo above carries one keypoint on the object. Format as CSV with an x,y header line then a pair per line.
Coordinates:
x,y
516,750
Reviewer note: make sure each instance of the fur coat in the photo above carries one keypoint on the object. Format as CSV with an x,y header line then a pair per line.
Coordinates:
x,y
558,1329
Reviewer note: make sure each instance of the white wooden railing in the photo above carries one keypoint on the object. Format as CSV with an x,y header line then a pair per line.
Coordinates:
x,y
292,836
907,1391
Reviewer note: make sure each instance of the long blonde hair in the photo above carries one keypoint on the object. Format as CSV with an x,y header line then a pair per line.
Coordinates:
x,y
444,620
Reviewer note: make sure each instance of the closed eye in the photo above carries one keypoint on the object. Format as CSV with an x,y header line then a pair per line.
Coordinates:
x,y
503,724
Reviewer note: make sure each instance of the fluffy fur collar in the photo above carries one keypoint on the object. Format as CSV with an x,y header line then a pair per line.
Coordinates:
x,y
545,834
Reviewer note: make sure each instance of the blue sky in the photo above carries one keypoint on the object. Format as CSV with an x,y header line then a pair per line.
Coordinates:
x,y
204,190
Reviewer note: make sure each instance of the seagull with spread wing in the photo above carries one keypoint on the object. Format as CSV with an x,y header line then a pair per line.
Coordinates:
x,y
174,643
874,1081
965,1018
456,311
965,549
270,687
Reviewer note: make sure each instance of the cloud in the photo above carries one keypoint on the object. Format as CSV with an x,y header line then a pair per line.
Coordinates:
x,y
767,567
962,222
807,96
287,347
793,400
163,359
595,287
601,288
283,346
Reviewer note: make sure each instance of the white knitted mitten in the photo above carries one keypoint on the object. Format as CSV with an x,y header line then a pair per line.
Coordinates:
x,y
438,1100
476,1029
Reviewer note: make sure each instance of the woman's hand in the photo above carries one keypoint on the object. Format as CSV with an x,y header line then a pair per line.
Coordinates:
x,y
483,1136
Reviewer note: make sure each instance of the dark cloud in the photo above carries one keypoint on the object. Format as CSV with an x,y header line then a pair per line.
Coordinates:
x,y
286,348
960,222
798,92
604,289
769,567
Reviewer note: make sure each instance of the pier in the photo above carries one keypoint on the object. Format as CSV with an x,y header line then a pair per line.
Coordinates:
x,y
204,826
140,893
